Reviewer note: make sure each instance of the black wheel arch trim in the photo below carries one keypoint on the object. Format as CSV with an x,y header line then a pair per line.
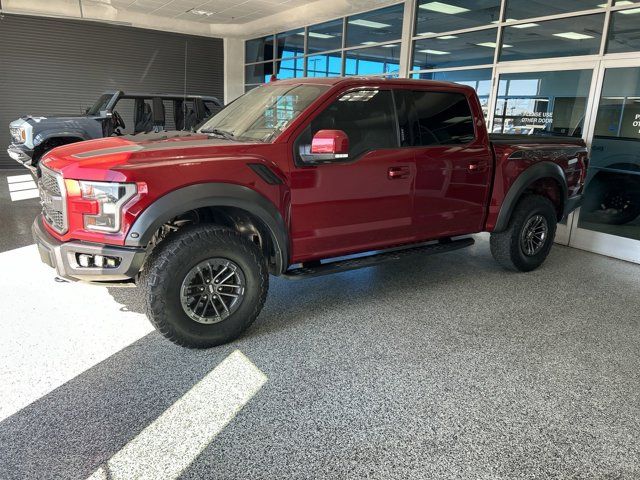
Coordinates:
x,y
212,195
525,179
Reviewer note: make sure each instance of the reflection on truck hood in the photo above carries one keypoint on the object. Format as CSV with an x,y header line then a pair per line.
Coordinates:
x,y
94,158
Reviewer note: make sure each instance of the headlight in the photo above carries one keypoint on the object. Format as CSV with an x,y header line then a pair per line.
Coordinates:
x,y
18,135
110,197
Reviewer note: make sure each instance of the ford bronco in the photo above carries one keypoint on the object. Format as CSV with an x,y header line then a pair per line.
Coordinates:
x,y
33,136
292,179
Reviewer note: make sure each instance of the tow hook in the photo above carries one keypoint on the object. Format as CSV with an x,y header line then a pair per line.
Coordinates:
x,y
61,280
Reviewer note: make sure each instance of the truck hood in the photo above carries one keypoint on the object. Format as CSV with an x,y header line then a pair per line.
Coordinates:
x,y
117,158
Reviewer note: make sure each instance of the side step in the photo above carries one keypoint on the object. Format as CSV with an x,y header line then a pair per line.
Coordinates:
x,y
376,259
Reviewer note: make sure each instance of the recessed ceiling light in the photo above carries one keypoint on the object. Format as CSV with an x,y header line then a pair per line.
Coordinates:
x,y
204,13
434,52
526,25
368,23
446,37
443,8
491,45
317,35
572,35
632,11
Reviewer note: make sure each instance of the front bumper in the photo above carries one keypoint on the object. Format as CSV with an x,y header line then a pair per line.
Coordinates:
x,y
62,257
20,154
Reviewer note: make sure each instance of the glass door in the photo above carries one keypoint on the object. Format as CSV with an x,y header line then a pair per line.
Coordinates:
x,y
609,219
541,101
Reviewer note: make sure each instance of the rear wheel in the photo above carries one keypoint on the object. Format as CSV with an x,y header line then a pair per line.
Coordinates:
x,y
204,286
526,242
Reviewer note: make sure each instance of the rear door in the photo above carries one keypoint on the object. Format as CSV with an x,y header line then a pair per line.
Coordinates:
x,y
362,204
453,163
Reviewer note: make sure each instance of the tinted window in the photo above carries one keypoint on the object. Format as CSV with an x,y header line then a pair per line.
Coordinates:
x,y
519,9
435,17
366,116
554,38
443,118
377,26
326,36
473,48
259,49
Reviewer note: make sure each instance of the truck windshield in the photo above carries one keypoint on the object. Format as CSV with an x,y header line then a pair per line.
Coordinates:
x,y
262,113
100,105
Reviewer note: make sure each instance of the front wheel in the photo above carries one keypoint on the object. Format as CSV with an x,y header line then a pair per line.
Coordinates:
x,y
526,242
204,286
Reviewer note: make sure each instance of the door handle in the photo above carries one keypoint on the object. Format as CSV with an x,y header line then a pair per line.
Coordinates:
x,y
396,173
473,166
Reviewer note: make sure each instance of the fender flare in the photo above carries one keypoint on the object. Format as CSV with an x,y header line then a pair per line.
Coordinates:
x,y
525,179
212,195
45,135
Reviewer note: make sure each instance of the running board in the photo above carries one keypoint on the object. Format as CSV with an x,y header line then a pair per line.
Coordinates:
x,y
376,259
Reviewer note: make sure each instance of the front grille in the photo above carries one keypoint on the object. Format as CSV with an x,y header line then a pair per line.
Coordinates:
x,y
50,182
52,198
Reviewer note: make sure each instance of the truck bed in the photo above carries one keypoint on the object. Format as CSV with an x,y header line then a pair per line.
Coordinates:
x,y
515,140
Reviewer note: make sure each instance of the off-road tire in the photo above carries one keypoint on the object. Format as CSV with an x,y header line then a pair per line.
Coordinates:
x,y
169,263
506,246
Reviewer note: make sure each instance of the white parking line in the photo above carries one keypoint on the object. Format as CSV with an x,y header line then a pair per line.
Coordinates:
x,y
22,187
166,447
24,194
14,187
19,178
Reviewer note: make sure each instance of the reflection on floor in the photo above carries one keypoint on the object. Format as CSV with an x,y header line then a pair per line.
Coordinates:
x,y
443,366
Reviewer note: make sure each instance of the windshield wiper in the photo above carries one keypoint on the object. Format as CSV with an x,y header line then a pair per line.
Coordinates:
x,y
219,133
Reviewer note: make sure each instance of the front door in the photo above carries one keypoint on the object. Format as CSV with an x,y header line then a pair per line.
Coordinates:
x,y
358,205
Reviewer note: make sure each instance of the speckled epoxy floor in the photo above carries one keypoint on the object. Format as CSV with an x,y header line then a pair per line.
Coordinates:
x,y
440,367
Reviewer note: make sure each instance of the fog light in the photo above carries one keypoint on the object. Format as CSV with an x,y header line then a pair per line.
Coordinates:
x,y
99,261
85,260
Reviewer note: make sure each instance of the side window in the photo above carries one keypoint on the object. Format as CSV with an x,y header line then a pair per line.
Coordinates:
x,y
366,116
443,118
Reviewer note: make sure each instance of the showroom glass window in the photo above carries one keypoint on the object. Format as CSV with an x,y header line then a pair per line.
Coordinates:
x,y
542,103
473,48
259,50
324,65
623,31
325,36
375,27
612,195
373,60
290,44
553,38
521,9
435,17
366,116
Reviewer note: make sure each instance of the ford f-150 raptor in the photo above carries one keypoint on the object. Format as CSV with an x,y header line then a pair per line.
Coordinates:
x,y
290,179
33,136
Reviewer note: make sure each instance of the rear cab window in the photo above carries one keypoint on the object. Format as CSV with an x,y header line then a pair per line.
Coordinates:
x,y
432,118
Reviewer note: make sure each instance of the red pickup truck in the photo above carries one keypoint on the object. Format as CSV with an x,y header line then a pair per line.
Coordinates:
x,y
290,179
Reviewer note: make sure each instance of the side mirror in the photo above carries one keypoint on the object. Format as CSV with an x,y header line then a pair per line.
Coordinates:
x,y
327,146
